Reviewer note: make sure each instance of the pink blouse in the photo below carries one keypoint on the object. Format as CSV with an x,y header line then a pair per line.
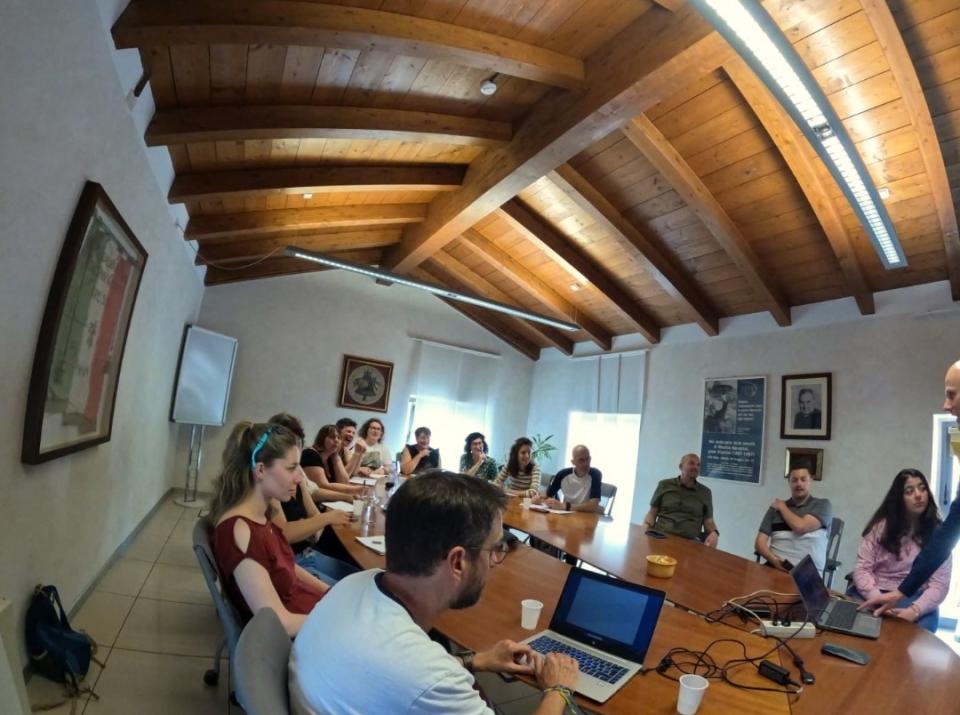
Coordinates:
x,y
878,570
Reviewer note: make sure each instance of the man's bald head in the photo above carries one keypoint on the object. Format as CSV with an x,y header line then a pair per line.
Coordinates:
x,y
580,459
689,469
951,390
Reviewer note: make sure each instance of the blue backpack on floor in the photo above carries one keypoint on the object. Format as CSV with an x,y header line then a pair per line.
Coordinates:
x,y
56,650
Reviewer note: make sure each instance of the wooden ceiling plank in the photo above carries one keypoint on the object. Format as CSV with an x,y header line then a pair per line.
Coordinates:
x,y
642,65
810,174
905,75
259,223
269,122
332,242
307,24
526,280
567,253
314,180
485,288
670,277
648,139
485,319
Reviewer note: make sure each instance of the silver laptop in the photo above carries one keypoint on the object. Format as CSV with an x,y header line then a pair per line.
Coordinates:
x,y
606,625
829,612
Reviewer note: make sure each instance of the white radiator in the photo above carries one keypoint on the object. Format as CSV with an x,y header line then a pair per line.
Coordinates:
x,y
13,693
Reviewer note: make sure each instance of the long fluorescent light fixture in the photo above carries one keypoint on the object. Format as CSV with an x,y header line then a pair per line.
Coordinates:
x,y
387,277
761,43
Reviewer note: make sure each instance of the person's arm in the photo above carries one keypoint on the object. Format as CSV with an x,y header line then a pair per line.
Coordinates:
x,y
501,477
762,546
864,571
311,581
799,525
534,487
553,671
409,462
650,519
300,529
468,466
356,457
712,532
319,477
936,591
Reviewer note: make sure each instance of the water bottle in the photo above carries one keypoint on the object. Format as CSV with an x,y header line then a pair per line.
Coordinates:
x,y
369,508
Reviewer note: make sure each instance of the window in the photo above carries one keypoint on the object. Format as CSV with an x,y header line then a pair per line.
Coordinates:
x,y
944,479
450,421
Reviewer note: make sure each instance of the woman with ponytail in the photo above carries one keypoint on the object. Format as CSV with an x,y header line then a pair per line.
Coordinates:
x,y
261,462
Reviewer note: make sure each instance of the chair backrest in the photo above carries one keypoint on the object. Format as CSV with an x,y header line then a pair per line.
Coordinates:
x,y
545,479
608,492
833,545
260,666
232,623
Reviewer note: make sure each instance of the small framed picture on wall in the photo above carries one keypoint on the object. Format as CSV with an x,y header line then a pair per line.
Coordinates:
x,y
365,383
809,457
805,406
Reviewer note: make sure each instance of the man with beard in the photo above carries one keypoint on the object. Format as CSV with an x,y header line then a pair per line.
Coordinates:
x,y
365,648
797,527
938,548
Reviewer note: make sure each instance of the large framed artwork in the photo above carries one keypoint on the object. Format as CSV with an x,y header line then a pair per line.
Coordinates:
x,y
365,383
731,442
76,367
806,406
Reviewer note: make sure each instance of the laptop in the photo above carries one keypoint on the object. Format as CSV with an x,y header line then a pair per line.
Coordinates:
x,y
606,625
830,612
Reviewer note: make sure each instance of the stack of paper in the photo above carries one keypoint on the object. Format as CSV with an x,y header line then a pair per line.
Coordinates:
x,y
548,510
339,505
365,481
377,543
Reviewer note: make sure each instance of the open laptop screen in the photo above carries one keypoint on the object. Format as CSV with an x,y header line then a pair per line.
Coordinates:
x,y
812,590
609,614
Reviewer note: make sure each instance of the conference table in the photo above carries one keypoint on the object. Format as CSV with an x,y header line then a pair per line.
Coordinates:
x,y
910,669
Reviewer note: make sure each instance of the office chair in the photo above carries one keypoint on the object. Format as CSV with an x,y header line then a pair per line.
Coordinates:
x,y
260,665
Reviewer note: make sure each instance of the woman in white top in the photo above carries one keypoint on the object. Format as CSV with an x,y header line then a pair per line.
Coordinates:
x,y
377,459
520,473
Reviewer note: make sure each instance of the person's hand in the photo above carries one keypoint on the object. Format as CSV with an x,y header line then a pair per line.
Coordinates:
x,y
882,603
554,503
507,656
532,493
364,471
556,669
777,563
778,504
335,517
360,446
911,613
536,499
712,538
423,451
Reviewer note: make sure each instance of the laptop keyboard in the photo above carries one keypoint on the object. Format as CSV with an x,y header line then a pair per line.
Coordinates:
x,y
589,664
842,615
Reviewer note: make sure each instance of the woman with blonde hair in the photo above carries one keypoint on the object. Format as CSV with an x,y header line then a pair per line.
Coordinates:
x,y
261,462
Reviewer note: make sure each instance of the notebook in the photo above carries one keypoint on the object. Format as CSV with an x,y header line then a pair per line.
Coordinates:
x,y
829,612
606,625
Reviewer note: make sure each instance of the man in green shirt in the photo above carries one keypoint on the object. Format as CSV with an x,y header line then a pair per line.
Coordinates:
x,y
684,507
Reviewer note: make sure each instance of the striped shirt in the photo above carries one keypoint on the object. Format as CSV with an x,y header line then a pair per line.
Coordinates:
x,y
519,482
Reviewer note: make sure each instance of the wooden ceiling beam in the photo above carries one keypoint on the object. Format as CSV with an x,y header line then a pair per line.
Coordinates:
x,y
814,180
245,183
486,320
260,223
524,279
282,266
311,24
905,75
672,278
332,242
246,123
674,168
485,288
571,256
643,64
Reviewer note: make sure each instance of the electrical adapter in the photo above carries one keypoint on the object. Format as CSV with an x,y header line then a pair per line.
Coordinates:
x,y
767,628
771,671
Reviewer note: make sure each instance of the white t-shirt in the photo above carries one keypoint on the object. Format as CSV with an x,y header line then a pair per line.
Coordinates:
x,y
576,490
360,652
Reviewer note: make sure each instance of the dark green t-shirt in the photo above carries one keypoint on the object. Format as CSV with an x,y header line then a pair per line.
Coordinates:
x,y
682,511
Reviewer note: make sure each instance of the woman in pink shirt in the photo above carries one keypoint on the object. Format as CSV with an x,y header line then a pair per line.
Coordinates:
x,y
893,538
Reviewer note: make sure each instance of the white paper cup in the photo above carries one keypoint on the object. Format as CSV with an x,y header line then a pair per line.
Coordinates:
x,y
357,507
527,501
530,613
692,688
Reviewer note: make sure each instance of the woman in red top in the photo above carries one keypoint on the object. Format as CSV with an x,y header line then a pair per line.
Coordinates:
x,y
260,462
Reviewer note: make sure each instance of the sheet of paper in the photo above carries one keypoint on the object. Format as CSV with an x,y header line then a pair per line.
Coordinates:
x,y
376,543
365,481
548,510
339,505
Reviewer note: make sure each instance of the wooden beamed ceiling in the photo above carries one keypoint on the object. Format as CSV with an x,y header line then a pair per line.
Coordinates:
x,y
629,174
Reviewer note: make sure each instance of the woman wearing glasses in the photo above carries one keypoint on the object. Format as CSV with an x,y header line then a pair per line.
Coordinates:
x,y
377,459
261,462
475,462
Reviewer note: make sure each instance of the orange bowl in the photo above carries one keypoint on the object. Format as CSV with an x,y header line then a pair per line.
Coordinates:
x,y
660,566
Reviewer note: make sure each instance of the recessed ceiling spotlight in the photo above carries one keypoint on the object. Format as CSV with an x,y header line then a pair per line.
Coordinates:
x,y
574,287
308,196
884,192
489,86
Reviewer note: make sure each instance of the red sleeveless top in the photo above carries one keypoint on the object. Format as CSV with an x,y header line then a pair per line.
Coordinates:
x,y
270,549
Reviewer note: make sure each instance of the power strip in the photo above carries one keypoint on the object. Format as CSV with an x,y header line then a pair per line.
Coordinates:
x,y
792,631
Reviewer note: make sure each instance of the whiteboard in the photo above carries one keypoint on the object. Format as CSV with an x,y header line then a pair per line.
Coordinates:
x,y
203,377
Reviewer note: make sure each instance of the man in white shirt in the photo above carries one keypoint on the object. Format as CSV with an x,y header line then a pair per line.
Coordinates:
x,y
797,527
579,484
364,648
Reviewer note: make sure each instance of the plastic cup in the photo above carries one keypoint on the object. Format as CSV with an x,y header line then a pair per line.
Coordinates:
x,y
357,507
692,688
530,613
527,501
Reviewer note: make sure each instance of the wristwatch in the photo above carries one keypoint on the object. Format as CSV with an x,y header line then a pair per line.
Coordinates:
x,y
467,660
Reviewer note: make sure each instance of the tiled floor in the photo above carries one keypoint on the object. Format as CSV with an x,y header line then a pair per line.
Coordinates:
x,y
157,630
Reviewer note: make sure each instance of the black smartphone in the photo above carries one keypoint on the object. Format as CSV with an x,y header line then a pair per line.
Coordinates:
x,y
788,565
656,534
854,656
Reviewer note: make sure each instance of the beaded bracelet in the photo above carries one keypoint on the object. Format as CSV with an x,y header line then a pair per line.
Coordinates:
x,y
565,693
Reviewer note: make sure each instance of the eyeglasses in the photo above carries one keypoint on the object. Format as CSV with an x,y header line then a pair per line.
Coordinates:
x,y
498,552
259,445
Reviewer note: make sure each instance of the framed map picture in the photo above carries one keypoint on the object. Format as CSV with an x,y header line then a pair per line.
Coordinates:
x,y
76,367
365,383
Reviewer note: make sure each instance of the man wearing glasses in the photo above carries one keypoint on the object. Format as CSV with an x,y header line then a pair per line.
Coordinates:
x,y
366,648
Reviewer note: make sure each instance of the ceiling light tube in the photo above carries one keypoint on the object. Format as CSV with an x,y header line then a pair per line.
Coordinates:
x,y
387,277
760,42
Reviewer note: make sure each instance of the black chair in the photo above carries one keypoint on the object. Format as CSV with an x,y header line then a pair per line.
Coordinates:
x,y
833,549
260,665
608,492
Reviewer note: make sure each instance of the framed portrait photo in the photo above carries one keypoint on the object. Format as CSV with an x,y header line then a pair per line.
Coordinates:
x,y
809,457
365,383
805,408
76,367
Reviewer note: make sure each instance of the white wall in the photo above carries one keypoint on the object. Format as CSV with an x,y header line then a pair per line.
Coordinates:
x,y
887,383
294,330
64,120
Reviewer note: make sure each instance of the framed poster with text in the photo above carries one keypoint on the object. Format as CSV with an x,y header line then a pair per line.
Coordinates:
x,y
731,441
